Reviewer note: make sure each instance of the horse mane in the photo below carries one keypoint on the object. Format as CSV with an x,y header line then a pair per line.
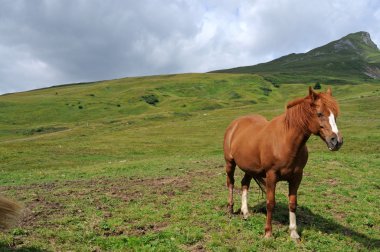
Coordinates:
x,y
299,112
329,103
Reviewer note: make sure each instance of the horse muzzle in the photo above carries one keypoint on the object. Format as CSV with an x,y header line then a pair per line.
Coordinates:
x,y
334,142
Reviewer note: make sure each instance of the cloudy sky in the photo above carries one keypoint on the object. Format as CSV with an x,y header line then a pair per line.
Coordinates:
x,y
44,43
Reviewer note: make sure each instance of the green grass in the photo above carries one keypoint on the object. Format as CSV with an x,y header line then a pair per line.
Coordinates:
x,y
151,177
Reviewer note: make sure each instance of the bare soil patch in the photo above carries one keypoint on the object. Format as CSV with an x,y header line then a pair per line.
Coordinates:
x,y
46,203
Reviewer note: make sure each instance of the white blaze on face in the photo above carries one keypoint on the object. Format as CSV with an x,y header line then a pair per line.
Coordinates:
x,y
334,128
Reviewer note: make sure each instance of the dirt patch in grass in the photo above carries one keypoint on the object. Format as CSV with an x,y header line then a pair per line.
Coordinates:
x,y
113,208
46,203
131,190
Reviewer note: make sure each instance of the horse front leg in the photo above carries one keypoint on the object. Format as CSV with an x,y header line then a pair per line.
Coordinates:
x,y
293,188
271,180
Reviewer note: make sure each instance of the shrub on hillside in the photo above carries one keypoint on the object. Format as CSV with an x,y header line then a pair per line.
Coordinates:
x,y
150,99
275,82
317,85
266,90
234,95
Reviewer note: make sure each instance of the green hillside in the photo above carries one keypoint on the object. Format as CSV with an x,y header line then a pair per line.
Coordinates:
x,y
136,164
351,59
176,95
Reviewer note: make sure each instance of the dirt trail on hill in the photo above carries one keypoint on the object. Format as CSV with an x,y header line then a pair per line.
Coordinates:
x,y
35,137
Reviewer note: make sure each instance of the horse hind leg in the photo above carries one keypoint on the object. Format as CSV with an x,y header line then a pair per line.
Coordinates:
x,y
230,170
244,195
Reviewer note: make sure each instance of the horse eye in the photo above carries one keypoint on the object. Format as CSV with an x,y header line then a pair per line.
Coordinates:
x,y
319,114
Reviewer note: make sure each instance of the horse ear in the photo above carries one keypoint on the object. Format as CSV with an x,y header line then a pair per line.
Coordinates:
x,y
329,92
313,95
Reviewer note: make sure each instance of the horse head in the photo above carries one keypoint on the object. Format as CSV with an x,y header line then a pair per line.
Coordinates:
x,y
325,110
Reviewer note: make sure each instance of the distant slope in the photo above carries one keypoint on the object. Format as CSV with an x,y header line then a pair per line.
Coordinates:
x,y
353,58
58,108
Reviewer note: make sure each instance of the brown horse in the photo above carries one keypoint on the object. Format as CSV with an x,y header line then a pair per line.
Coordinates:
x,y
272,151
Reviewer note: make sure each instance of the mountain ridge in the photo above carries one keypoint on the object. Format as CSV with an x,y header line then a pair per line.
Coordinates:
x,y
352,58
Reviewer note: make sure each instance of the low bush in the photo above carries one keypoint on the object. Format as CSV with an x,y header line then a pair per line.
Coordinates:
x,y
150,99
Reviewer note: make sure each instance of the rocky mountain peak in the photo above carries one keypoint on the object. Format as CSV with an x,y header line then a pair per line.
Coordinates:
x,y
366,38
356,41
351,58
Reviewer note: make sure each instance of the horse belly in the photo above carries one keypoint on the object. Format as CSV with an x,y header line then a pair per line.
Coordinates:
x,y
254,171
247,158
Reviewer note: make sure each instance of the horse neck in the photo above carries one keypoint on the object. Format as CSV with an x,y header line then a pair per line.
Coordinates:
x,y
295,133
298,116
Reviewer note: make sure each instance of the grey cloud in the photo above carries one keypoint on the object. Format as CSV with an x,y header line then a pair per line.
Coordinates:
x,y
90,40
52,42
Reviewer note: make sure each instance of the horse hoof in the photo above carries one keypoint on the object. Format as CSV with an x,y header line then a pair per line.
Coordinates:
x,y
245,216
296,240
230,212
268,235
295,237
230,209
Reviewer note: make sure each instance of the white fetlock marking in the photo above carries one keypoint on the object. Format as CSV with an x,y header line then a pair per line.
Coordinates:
x,y
293,225
244,205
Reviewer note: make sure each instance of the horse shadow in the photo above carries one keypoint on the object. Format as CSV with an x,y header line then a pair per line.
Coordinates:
x,y
307,219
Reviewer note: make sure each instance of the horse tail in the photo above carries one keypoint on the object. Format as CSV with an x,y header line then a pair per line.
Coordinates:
x,y
10,212
261,183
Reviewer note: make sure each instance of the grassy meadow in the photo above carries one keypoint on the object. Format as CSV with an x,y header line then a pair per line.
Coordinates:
x,y
137,164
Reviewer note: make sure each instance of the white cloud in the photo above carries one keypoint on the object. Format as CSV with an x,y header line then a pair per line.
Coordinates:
x,y
20,69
